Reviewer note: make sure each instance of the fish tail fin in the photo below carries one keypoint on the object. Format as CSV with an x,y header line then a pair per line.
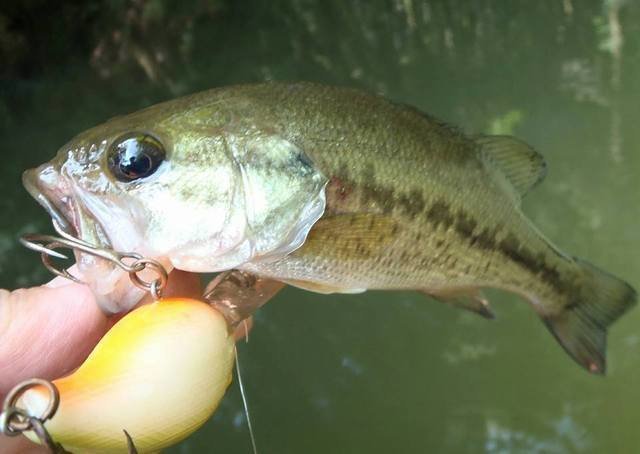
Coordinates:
x,y
581,326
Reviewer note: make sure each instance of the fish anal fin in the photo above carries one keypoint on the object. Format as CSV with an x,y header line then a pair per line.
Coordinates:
x,y
350,236
522,166
469,299
321,288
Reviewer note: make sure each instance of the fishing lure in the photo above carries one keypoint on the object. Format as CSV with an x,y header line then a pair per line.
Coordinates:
x,y
158,374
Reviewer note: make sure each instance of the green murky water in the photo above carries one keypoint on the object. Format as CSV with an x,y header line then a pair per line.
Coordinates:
x,y
378,372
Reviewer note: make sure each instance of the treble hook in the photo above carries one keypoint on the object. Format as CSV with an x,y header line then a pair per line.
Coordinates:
x,y
46,245
15,420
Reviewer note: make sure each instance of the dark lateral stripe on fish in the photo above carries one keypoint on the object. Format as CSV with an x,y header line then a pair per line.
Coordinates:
x,y
439,214
412,203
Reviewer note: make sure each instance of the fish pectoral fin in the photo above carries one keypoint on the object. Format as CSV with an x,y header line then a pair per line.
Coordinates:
x,y
321,288
349,236
469,299
521,165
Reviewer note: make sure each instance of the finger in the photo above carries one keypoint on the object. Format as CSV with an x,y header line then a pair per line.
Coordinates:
x,y
46,332
60,281
20,445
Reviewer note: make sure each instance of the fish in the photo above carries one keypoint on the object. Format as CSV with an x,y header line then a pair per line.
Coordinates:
x,y
329,189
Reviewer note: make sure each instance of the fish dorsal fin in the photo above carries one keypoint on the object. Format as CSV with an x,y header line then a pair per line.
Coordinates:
x,y
522,166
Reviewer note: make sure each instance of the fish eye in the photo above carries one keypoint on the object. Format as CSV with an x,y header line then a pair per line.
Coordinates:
x,y
135,156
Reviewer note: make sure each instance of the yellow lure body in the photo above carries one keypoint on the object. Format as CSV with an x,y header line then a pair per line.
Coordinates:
x,y
159,374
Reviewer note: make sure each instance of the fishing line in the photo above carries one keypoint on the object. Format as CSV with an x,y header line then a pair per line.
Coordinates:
x,y
244,402
246,331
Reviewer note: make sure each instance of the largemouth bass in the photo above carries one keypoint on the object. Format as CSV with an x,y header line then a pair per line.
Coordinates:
x,y
328,189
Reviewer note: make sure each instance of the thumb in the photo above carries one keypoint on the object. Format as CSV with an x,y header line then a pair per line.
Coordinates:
x,y
46,331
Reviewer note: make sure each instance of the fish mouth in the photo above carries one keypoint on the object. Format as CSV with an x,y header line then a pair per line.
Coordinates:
x,y
48,188
110,284
31,180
